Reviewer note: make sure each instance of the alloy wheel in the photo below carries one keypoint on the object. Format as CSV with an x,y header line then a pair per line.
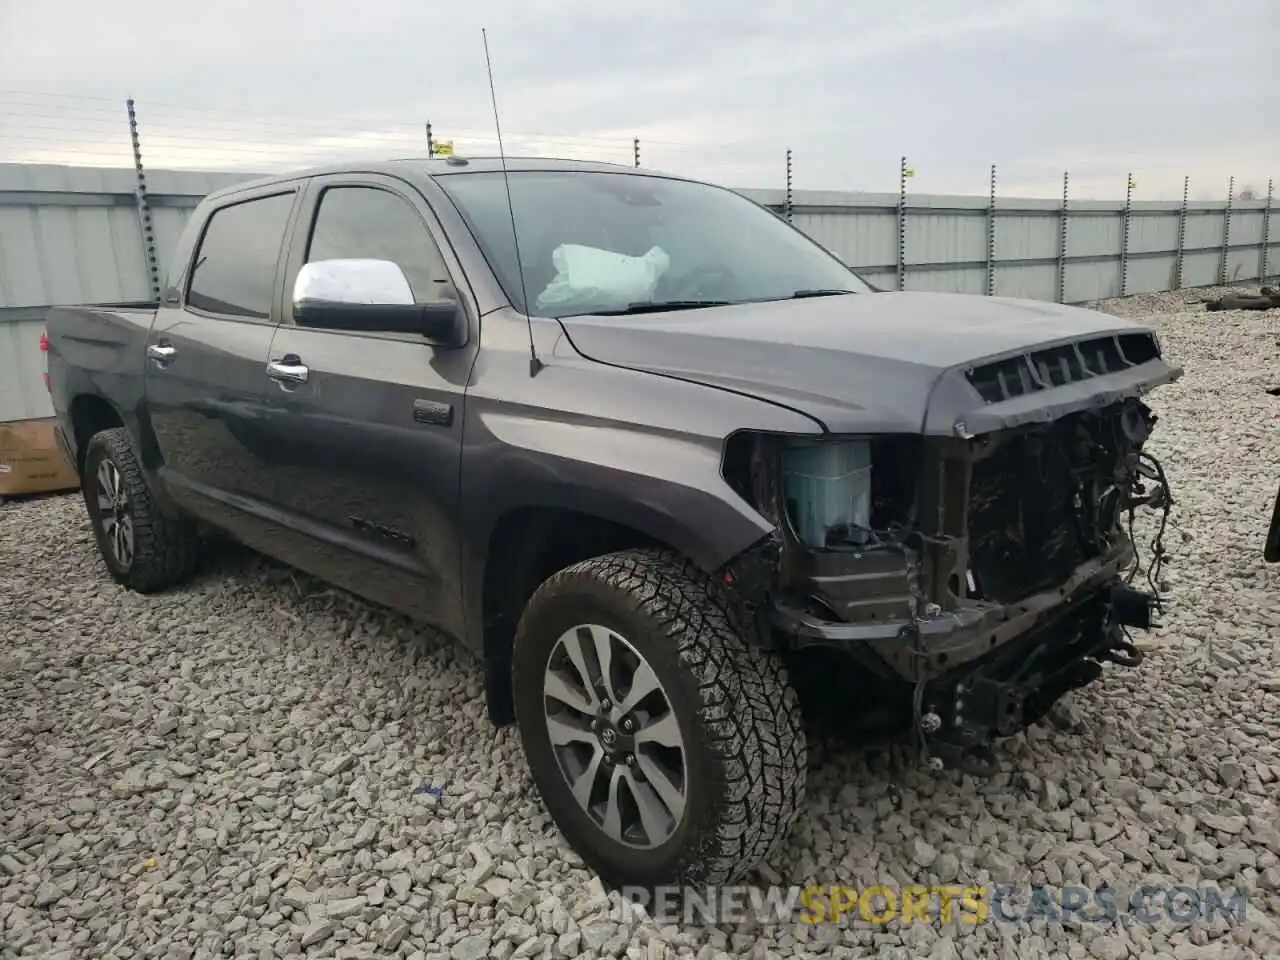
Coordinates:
x,y
113,510
615,736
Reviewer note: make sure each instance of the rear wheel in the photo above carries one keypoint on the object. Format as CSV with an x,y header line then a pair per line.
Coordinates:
x,y
666,748
142,547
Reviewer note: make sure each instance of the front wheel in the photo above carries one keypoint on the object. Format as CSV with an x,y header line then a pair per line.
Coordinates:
x,y
142,547
666,749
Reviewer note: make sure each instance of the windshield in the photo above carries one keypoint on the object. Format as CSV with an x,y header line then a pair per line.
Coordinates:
x,y
613,242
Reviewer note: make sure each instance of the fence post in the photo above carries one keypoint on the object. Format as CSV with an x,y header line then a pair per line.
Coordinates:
x,y
902,223
1182,235
991,236
431,143
1124,236
635,151
1063,219
144,208
1265,272
787,205
1226,233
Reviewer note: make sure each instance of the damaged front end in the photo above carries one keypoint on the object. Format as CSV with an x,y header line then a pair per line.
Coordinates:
x,y
984,575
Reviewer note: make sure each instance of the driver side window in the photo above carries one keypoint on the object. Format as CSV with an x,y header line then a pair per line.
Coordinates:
x,y
366,222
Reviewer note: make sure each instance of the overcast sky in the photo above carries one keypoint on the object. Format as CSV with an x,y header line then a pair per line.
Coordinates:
x,y
1162,88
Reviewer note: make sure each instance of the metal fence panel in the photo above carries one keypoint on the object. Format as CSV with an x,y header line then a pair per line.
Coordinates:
x,y
1151,274
1092,279
859,236
1204,228
1154,232
1030,235
1200,269
72,235
1031,281
952,280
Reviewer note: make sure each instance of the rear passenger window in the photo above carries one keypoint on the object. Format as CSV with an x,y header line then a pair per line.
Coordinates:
x,y
367,223
235,267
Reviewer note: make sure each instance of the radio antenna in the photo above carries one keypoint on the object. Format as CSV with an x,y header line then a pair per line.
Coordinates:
x,y
534,363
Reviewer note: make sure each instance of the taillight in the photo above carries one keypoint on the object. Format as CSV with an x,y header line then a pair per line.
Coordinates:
x,y
44,348
44,341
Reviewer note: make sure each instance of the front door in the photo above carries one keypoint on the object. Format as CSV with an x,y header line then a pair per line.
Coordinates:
x,y
367,427
206,362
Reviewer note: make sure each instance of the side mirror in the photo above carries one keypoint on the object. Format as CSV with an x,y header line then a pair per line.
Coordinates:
x,y
371,296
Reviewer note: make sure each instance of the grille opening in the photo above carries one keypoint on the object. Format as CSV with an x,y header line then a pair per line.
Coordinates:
x,y
1138,348
1102,356
1022,529
1038,505
1057,366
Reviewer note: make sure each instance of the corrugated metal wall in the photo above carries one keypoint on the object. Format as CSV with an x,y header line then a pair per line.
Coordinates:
x,y
72,235
946,241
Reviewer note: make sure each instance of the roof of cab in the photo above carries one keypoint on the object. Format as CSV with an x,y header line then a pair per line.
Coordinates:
x,y
411,167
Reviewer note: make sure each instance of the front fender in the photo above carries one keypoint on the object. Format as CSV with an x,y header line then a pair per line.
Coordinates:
x,y
665,485
639,450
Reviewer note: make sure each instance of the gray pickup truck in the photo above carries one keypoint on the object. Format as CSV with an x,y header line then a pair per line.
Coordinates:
x,y
647,450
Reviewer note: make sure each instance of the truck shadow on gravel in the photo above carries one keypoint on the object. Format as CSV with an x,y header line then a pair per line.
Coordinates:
x,y
857,756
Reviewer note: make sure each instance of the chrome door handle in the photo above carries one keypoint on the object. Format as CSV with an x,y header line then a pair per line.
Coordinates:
x,y
160,354
288,370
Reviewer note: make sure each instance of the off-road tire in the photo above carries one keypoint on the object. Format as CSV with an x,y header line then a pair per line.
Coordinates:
x,y
165,550
738,713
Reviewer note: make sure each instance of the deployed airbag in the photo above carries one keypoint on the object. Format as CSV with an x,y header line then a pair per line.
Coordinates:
x,y
590,278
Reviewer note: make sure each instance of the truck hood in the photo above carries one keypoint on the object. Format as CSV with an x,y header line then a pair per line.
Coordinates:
x,y
880,362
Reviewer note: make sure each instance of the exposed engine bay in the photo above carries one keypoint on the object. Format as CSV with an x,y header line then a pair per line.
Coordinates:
x,y
980,577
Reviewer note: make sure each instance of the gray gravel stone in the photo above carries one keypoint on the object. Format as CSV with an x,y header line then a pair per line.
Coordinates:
x,y
395,935
1230,772
318,932
471,948
922,853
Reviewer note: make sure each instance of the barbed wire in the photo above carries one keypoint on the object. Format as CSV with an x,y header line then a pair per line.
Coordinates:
x,y
87,130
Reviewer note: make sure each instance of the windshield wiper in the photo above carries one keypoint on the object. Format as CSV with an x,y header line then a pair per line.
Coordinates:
x,y
658,306
802,294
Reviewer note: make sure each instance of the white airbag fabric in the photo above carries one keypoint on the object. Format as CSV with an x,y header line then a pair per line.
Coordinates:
x,y
592,278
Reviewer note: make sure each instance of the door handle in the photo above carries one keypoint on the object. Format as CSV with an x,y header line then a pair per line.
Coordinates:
x,y
161,353
288,370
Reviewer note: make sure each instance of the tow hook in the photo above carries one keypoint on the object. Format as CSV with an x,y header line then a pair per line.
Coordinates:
x,y
1133,608
1128,608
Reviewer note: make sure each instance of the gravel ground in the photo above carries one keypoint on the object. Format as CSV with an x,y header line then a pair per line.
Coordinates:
x,y
257,766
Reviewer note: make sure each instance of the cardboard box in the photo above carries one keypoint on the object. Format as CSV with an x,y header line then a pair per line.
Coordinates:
x,y
31,460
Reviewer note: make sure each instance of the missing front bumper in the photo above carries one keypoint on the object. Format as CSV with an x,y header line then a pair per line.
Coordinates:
x,y
963,712
927,647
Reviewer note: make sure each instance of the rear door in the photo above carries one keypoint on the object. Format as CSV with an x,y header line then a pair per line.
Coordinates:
x,y
207,354
367,450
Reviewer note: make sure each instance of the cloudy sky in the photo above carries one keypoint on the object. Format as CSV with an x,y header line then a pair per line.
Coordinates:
x,y
1162,88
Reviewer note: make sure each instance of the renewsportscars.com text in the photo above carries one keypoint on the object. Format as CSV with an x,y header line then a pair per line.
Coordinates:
x,y
946,903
